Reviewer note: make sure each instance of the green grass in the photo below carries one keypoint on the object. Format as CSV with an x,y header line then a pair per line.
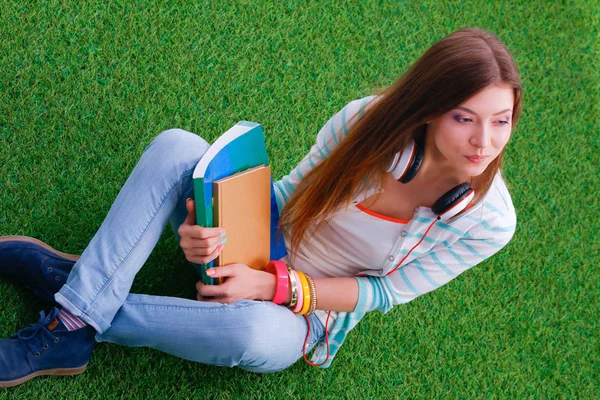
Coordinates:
x,y
85,86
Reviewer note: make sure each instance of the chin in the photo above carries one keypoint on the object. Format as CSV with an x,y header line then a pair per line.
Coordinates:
x,y
474,170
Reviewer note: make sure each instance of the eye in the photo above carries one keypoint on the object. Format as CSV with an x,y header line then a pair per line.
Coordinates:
x,y
502,123
458,118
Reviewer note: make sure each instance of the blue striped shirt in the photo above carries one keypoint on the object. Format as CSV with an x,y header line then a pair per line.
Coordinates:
x,y
449,248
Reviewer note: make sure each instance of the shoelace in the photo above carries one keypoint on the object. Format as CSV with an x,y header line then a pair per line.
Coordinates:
x,y
38,333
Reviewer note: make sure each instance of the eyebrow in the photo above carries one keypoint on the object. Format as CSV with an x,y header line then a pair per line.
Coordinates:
x,y
474,113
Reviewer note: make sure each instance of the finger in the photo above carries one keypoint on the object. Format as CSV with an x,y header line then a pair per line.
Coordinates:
x,y
201,232
217,291
207,258
190,205
193,243
199,297
222,271
200,251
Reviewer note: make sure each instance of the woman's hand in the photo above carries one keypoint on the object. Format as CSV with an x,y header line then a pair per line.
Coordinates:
x,y
242,283
200,245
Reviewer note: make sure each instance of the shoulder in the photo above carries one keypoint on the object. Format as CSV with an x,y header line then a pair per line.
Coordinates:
x,y
495,218
499,201
359,106
355,109
338,126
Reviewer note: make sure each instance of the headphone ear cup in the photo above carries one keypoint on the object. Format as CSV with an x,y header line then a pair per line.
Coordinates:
x,y
453,201
415,164
406,163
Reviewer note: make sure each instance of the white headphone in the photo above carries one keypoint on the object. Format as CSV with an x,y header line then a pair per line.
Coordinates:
x,y
404,168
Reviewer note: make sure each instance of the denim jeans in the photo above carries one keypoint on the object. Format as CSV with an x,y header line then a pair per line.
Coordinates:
x,y
258,336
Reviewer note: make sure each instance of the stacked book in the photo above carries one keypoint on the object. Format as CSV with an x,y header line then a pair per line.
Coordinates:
x,y
233,189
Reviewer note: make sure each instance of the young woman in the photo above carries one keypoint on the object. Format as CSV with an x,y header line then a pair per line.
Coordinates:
x,y
401,193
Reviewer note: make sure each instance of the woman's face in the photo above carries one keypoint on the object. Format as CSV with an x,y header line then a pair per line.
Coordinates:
x,y
469,137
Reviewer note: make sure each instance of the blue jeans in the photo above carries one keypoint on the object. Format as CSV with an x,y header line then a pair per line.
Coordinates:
x,y
258,336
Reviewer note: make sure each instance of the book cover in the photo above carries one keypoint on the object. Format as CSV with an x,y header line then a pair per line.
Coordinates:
x,y
240,148
243,207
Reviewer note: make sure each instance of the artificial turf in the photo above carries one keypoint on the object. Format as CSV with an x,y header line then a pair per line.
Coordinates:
x,y
85,86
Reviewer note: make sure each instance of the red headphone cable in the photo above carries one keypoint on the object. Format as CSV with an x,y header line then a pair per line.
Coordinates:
x,y
329,313
326,341
415,246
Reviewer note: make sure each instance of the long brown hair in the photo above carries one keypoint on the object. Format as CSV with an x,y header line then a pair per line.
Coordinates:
x,y
450,72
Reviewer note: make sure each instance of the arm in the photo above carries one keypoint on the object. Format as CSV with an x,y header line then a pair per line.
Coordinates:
x,y
328,294
416,278
363,294
246,283
330,135
261,285
432,270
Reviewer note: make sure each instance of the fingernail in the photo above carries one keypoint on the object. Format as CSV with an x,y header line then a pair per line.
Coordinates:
x,y
223,234
224,241
210,272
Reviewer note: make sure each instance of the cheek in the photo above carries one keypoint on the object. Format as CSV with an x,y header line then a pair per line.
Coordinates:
x,y
453,137
500,140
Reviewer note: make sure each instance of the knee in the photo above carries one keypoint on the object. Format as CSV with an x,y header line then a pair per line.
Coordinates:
x,y
265,348
176,148
254,348
177,140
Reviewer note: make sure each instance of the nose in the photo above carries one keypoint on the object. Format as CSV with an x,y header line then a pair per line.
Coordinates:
x,y
481,138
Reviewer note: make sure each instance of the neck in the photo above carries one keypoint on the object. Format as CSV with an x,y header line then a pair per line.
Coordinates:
x,y
436,169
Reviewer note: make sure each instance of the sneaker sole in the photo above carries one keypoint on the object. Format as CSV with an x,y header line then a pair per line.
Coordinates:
x,y
70,257
57,371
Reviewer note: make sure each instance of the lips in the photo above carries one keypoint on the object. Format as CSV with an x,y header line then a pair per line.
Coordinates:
x,y
476,159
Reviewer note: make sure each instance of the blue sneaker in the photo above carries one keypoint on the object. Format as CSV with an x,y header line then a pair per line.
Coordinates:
x,y
34,264
45,348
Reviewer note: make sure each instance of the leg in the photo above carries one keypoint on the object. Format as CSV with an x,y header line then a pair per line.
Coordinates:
x,y
255,335
100,281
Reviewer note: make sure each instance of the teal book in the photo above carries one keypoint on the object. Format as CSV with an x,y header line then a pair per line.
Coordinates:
x,y
240,148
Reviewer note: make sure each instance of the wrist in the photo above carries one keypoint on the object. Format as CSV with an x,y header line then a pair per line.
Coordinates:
x,y
267,286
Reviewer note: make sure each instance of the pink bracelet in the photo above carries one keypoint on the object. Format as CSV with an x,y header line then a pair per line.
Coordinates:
x,y
300,302
282,280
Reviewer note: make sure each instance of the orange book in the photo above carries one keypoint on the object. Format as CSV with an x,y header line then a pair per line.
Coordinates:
x,y
243,207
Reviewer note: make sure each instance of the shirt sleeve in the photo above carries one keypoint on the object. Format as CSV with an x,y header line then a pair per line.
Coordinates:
x,y
330,135
433,269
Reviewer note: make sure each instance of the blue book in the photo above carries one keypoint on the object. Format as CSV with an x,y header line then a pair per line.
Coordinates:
x,y
241,148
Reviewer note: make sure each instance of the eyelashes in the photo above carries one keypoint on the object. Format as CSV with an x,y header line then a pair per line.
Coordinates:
x,y
461,119
458,118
